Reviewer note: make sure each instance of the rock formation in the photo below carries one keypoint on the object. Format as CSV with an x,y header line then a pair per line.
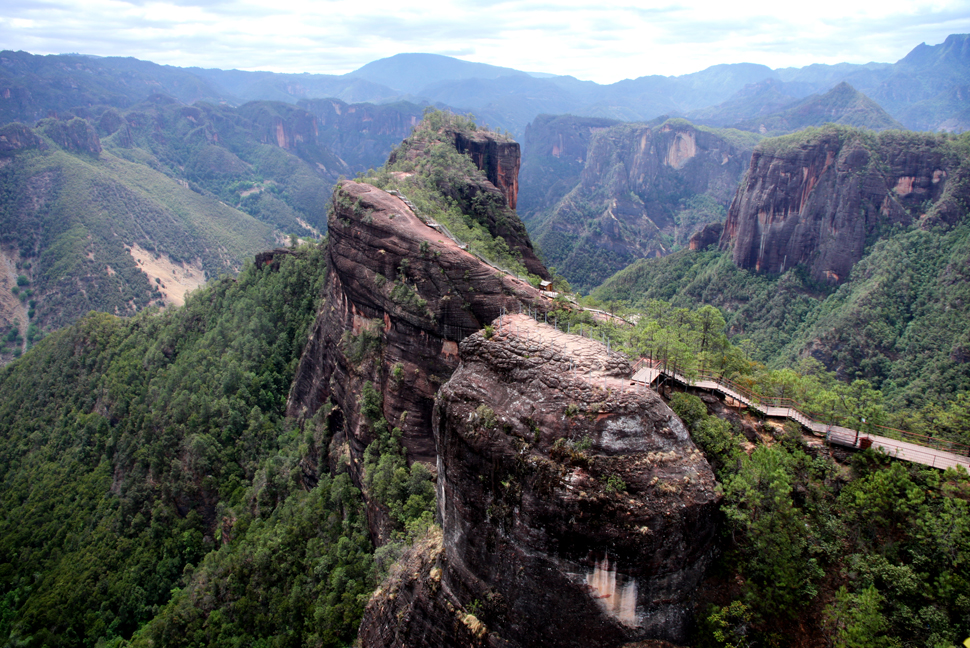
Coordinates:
x,y
706,237
362,134
641,187
497,157
400,296
818,198
14,137
490,200
574,508
75,135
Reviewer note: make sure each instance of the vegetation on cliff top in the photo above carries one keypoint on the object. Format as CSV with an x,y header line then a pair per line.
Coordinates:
x,y
427,168
878,555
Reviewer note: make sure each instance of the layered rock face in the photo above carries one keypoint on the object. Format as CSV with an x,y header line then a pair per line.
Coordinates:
x,y
400,296
555,153
498,158
575,510
363,135
816,199
641,186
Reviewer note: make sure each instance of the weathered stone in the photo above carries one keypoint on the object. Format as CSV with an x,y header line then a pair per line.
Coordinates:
x,y
572,515
399,298
498,158
817,201
710,235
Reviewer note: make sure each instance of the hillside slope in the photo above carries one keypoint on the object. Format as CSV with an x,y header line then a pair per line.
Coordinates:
x,y
86,230
642,191
894,309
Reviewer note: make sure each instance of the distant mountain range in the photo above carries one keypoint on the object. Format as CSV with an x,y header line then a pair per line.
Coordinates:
x,y
925,90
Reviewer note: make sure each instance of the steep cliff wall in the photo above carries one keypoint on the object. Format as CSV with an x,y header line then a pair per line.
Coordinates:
x,y
575,509
644,189
554,154
400,296
497,158
819,197
362,134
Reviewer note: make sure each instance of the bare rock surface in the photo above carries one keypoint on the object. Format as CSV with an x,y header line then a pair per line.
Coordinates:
x,y
818,198
574,508
399,298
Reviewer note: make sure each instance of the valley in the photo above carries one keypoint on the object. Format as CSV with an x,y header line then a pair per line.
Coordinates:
x,y
302,360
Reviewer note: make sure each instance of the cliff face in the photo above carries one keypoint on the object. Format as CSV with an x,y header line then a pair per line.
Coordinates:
x,y
497,158
816,199
555,153
75,135
363,135
400,296
575,509
642,187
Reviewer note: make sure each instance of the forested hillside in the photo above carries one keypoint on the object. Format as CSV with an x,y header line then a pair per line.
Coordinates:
x,y
598,195
152,458
85,229
136,207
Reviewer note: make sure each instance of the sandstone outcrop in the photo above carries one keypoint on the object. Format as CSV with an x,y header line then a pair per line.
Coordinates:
x,y
817,199
75,135
498,158
400,296
710,235
574,508
491,199
362,134
14,137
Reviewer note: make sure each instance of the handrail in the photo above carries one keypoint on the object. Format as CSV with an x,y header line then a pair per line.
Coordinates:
x,y
794,410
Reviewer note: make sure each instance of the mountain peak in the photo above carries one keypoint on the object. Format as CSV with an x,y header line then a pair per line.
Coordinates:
x,y
412,72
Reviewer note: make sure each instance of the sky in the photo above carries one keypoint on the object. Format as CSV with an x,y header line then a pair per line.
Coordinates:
x,y
597,41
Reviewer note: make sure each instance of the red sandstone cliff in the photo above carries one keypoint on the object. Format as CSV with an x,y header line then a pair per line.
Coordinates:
x,y
575,510
817,198
399,298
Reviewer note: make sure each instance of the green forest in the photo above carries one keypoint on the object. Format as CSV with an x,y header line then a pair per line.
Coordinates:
x,y
154,492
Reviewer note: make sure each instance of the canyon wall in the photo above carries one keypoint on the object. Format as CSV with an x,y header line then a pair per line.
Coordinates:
x,y
399,298
644,189
819,197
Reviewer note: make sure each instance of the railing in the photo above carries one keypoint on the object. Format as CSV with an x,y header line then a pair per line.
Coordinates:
x,y
789,408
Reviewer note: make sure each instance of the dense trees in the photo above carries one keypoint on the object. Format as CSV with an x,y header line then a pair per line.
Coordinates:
x,y
882,549
152,460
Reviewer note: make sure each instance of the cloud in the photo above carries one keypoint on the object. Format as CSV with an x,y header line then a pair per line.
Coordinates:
x,y
602,42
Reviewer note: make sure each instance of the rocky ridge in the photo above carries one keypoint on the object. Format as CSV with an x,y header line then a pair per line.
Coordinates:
x,y
575,510
399,298
643,189
490,196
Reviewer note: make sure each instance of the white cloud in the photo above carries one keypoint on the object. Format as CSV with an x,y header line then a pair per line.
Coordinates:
x,y
601,42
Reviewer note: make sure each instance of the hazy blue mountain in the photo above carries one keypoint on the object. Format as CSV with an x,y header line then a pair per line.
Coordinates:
x,y
411,73
843,104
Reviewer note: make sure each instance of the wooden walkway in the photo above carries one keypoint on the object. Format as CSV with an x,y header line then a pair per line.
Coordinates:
x,y
648,374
